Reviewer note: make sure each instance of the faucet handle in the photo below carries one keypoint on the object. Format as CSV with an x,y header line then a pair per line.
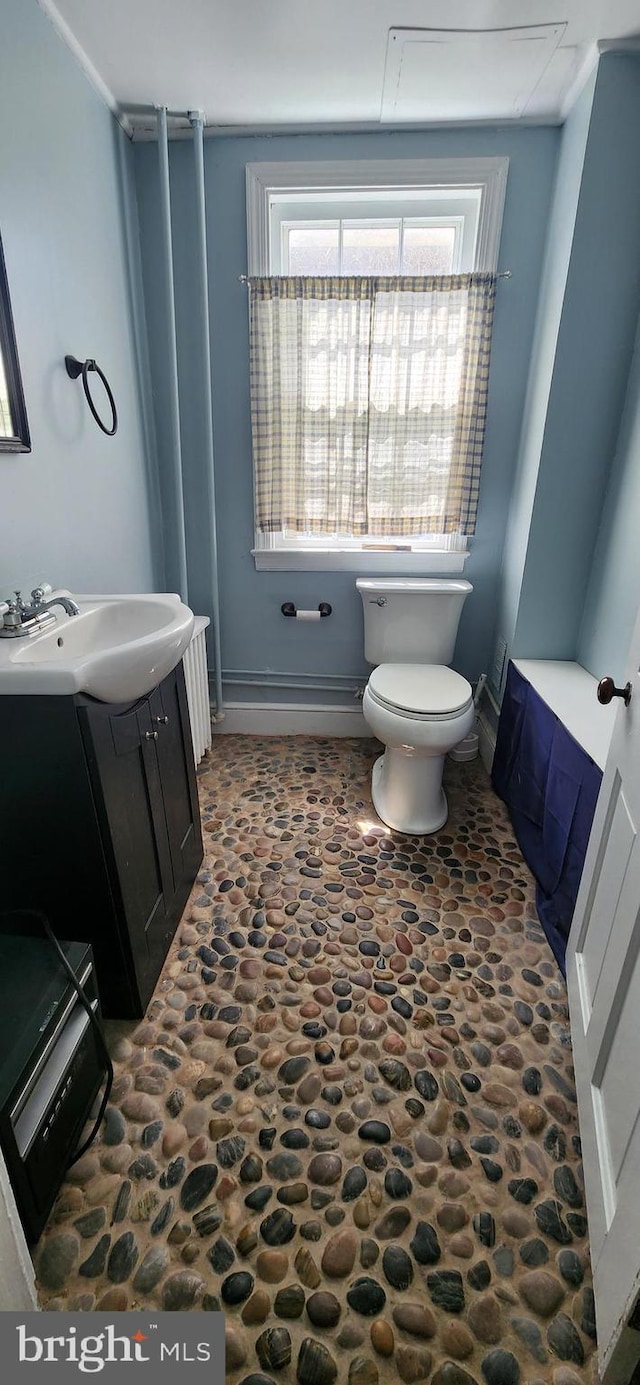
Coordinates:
x,y
12,617
39,593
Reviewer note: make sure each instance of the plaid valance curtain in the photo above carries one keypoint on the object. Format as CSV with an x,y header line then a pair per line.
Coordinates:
x,y
368,402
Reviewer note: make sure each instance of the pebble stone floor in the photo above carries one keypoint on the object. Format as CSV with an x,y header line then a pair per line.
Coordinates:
x,y
349,1116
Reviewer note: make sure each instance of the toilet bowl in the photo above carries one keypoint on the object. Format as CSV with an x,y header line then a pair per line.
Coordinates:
x,y
414,703
419,712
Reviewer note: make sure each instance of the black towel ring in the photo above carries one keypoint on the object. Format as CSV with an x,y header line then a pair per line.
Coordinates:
x,y
76,368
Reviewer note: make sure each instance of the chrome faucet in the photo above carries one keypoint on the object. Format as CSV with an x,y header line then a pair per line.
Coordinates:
x,y
39,604
19,619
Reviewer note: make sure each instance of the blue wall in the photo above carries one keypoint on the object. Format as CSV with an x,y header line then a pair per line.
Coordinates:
x,y
571,157
563,586
254,634
77,509
593,358
613,593
611,603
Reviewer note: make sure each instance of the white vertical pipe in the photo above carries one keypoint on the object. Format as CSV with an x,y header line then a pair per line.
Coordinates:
x,y
143,372
197,122
204,718
172,349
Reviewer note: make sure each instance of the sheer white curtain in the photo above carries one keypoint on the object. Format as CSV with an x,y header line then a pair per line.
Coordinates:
x,y
368,403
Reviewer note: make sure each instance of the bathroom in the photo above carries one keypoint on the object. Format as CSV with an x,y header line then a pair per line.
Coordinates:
x,y
554,561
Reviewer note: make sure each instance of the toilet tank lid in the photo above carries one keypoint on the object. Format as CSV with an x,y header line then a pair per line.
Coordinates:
x,y
412,584
430,689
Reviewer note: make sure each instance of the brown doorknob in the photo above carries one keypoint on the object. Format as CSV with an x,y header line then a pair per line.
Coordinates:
x,y
608,690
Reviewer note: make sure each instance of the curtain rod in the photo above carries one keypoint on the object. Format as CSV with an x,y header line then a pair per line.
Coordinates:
x,y
246,278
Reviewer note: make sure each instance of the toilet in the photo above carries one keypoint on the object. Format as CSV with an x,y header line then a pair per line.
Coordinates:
x,y
414,703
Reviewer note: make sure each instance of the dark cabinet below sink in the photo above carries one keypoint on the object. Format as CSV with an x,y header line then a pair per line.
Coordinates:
x,y
100,827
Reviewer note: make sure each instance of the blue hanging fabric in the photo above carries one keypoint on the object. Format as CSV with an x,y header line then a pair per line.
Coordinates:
x,y
550,786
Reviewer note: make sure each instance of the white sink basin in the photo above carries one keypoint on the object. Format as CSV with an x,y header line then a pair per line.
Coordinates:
x,y
117,649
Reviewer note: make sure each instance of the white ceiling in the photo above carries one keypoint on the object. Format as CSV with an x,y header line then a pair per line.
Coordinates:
x,y
267,64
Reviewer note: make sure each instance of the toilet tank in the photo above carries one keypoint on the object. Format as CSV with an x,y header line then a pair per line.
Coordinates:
x,y
411,620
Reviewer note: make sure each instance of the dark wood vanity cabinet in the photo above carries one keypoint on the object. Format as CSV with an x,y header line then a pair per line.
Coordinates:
x,y
100,827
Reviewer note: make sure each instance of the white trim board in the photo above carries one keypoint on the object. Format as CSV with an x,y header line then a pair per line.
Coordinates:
x,y
264,179
419,562
570,691
289,719
91,73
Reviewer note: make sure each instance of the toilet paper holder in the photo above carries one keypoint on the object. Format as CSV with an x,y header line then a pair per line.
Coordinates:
x,y
288,609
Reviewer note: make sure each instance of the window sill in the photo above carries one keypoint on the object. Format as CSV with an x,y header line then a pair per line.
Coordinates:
x,y
421,562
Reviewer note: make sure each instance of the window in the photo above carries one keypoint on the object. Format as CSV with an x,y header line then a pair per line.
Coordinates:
x,y
370,245
351,231
393,218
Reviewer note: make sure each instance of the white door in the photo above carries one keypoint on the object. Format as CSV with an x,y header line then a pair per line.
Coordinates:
x,y
603,978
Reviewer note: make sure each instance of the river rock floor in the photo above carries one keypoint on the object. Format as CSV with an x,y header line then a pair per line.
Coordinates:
x,y
349,1116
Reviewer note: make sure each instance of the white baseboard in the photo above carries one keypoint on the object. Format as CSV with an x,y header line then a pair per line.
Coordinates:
x,y
487,742
290,719
303,719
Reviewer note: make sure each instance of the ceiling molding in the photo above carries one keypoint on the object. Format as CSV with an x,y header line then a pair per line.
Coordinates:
x,y
618,45
99,85
591,60
146,135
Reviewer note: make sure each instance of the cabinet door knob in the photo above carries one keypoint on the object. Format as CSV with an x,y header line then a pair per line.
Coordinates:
x,y
607,690
151,735
161,721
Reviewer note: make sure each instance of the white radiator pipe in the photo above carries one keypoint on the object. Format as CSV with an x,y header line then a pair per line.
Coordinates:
x,y
172,350
196,119
260,674
308,687
197,683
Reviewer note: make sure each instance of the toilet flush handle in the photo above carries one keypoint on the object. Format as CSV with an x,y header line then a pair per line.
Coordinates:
x,y
379,601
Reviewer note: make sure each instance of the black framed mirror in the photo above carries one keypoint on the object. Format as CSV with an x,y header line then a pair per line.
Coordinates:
x,y
14,428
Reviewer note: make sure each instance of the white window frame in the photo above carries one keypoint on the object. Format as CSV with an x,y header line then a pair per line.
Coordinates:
x,y
268,182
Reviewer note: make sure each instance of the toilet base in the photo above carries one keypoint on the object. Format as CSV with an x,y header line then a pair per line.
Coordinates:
x,y
407,791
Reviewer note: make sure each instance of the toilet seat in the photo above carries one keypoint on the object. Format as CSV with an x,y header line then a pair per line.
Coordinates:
x,y
422,692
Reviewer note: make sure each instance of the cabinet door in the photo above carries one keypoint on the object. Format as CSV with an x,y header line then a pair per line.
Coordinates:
x,y
170,715
123,749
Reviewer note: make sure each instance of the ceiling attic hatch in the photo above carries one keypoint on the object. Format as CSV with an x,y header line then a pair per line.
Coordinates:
x,y
440,75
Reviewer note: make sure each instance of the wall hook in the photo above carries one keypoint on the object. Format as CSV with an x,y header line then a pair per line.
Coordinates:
x,y
74,369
